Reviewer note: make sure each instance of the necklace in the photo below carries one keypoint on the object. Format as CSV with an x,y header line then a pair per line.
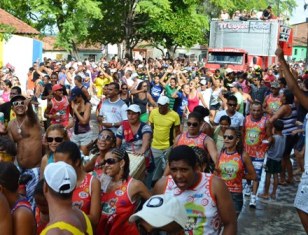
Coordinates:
x,y
19,126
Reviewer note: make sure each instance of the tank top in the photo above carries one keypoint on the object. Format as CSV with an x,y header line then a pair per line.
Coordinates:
x,y
61,107
192,103
40,225
273,103
22,202
82,194
81,128
117,207
254,134
231,168
197,141
50,158
290,121
142,103
68,227
200,205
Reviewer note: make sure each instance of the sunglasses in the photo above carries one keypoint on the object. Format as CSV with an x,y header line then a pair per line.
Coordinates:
x,y
232,105
18,103
194,124
124,88
229,137
105,137
56,139
110,161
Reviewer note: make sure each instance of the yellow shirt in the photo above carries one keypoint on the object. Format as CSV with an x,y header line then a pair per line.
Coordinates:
x,y
68,227
163,125
99,85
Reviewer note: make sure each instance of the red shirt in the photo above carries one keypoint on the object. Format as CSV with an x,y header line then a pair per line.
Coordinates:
x,y
117,207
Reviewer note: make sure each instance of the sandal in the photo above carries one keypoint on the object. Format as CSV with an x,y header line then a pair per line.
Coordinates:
x,y
290,181
283,183
273,196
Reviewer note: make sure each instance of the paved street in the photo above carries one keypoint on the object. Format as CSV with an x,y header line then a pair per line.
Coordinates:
x,y
272,217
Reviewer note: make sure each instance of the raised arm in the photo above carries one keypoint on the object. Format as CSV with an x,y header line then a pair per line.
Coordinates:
x,y
291,81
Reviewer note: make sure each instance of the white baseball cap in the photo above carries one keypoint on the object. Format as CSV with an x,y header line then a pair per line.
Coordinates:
x,y
229,70
61,177
135,108
163,100
203,82
160,210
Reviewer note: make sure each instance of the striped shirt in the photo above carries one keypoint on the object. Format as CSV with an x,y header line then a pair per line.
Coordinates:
x,y
290,121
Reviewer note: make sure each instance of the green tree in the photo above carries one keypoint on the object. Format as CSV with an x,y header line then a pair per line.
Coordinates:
x,y
69,19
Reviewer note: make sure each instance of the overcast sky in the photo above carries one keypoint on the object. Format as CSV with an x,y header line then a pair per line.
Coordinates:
x,y
299,15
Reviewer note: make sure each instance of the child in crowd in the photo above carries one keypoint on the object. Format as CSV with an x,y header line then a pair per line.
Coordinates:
x,y
274,156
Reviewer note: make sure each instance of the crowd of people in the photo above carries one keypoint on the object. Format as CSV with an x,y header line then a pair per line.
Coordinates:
x,y
205,137
244,15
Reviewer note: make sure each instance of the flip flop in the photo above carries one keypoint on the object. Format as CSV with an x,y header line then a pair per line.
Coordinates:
x,y
264,196
283,183
273,196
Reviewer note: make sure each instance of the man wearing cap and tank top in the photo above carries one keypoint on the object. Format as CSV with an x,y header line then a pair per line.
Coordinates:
x,y
60,182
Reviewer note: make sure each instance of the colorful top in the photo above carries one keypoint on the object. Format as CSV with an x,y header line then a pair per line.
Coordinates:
x,y
40,225
273,103
62,108
68,227
117,207
200,205
232,169
197,141
22,202
82,194
255,132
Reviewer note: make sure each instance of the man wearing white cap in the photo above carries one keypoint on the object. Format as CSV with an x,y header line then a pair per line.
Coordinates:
x,y
161,213
60,182
165,125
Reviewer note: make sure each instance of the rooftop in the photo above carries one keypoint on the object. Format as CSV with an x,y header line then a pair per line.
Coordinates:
x,y
19,26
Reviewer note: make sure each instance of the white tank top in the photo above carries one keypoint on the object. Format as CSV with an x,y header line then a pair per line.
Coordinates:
x,y
200,205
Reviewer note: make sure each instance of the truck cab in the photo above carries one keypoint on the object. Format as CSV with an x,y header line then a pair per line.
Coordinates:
x,y
236,59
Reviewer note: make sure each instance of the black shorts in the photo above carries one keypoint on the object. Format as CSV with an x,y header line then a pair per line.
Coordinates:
x,y
215,106
300,143
291,140
272,166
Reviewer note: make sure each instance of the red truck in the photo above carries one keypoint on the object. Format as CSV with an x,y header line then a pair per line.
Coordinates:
x,y
241,44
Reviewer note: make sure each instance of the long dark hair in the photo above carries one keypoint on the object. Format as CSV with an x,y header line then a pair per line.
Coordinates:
x,y
239,145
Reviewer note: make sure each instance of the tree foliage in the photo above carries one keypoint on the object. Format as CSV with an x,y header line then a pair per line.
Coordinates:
x,y
169,23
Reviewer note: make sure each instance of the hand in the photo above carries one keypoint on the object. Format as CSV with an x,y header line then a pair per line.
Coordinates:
x,y
279,52
139,153
74,106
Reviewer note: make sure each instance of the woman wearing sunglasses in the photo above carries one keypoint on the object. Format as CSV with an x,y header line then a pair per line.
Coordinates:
x,y
233,166
55,135
106,140
224,123
125,95
194,137
86,195
121,197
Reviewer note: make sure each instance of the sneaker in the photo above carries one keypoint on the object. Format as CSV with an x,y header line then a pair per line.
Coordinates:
x,y
253,201
247,190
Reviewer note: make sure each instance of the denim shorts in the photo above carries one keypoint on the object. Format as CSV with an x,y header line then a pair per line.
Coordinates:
x,y
258,166
237,199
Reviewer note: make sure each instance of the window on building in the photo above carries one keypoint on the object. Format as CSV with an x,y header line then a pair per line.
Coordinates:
x,y
295,51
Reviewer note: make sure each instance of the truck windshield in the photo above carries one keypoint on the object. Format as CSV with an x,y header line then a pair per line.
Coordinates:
x,y
225,58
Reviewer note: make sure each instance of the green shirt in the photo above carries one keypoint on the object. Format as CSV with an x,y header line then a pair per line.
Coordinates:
x,y
169,92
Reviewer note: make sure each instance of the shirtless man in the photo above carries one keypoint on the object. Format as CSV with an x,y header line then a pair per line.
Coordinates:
x,y
25,131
